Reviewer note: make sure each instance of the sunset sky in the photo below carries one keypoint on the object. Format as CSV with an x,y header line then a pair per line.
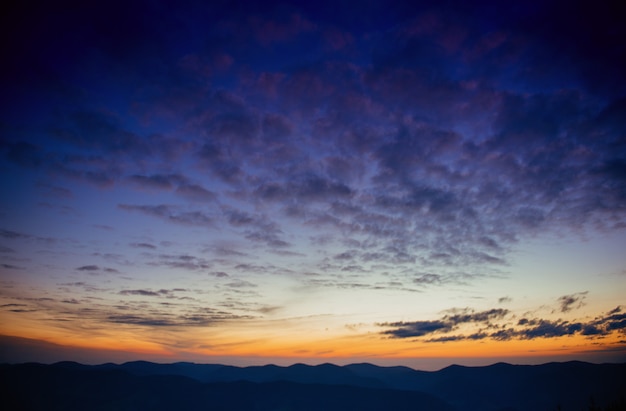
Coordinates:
x,y
402,183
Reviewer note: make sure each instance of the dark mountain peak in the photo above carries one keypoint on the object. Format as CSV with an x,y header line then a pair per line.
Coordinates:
x,y
363,365
69,364
271,367
139,363
454,367
500,365
327,365
298,365
370,366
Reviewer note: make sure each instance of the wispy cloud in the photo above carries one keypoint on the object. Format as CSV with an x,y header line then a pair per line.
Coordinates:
x,y
572,301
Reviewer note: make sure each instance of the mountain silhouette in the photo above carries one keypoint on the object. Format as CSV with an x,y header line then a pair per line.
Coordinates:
x,y
188,386
69,386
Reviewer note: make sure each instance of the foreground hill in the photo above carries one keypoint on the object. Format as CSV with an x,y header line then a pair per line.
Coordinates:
x,y
186,386
71,387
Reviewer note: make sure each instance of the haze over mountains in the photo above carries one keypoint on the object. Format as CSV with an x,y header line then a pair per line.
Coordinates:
x,y
188,386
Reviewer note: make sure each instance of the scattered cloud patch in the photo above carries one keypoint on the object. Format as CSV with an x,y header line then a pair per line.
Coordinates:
x,y
570,302
144,245
88,268
143,293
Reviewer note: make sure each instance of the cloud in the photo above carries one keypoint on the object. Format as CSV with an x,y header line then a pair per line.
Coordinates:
x,y
257,228
473,317
416,328
171,214
547,329
446,324
305,187
196,192
55,191
157,181
164,320
150,293
184,261
99,130
144,245
524,329
572,301
12,305
144,293
222,165
428,279
88,268
240,284
15,235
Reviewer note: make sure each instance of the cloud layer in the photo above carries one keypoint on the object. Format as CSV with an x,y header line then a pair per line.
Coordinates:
x,y
386,148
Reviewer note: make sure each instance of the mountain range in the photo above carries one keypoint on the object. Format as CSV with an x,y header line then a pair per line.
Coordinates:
x,y
188,386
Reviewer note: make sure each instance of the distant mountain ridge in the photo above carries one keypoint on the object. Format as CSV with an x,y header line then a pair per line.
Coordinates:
x,y
552,386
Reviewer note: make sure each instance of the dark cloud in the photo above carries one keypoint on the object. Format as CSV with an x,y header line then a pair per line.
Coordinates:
x,y
12,234
221,164
416,328
88,268
616,310
304,188
181,261
572,301
172,214
24,154
524,329
144,245
165,320
87,287
445,325
480,317
428,279
157,181
276,126
55,191
150,293
12,305
257,228
101,131
346,255
240,284
144,293
195,192
547,329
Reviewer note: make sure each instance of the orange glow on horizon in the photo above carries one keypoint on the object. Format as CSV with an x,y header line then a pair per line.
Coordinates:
x,y
344,347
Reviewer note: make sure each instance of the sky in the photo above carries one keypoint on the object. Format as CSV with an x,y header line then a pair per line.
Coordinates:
x,y
401,183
